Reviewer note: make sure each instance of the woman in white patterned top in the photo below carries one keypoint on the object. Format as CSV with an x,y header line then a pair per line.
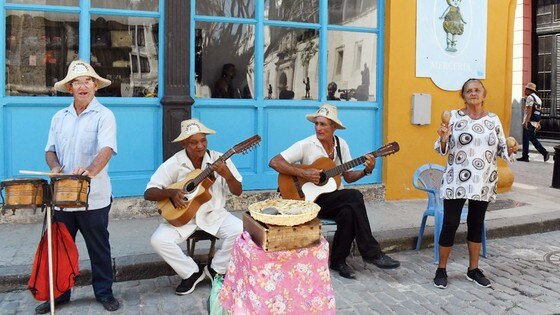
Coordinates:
x,y
472,140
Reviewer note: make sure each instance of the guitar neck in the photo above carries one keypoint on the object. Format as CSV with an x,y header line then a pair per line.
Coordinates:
x,y
346,166
202,176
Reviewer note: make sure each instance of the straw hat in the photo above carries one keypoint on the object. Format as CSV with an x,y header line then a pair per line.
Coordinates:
x,y
328,111
80,68
192,127
531,86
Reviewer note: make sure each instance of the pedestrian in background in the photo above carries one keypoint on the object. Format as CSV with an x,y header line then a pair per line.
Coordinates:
x,y
472,140
532,123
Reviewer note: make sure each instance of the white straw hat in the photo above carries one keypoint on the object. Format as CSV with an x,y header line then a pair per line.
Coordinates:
x,y
328,111
80,68
192,127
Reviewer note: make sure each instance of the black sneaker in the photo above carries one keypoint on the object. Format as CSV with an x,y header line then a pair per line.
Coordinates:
x,y
383,261
343,270
111,304
210,272
546,156
440,280
523,159
478,277
45,307
188,285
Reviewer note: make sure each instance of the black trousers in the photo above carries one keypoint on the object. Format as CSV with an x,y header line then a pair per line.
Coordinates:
x,y
530,134
346,207
93,224
452,209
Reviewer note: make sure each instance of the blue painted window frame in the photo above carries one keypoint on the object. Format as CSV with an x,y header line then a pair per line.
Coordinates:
x,y
84,11
259,101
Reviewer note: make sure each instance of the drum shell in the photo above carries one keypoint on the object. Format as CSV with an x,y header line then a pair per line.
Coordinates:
x,y
70,191
25,193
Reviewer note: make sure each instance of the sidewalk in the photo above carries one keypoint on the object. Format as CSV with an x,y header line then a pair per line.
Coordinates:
x,y
530,207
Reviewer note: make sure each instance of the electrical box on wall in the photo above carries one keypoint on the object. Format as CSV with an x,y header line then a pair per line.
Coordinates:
x,y
421,109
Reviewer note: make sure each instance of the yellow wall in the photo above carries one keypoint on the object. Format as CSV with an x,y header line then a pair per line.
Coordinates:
x,y
416,142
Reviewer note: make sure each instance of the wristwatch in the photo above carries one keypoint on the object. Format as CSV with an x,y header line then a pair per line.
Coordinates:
x,y
366,173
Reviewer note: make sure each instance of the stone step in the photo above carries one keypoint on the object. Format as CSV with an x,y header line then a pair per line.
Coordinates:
x,y
137,207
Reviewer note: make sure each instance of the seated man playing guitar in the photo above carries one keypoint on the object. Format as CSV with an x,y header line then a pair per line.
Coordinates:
x,y
210,216
345,206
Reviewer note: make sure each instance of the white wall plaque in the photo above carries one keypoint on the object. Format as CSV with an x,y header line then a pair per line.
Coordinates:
x,y
451,41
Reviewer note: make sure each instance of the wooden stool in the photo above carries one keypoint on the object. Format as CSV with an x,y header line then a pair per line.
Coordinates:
x,y
200,235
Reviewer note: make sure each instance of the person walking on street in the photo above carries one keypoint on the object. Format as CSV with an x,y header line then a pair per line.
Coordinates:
x,y
532,123
83,137
472,140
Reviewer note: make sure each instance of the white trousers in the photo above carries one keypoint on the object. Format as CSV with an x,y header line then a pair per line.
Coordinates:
x,y
166,239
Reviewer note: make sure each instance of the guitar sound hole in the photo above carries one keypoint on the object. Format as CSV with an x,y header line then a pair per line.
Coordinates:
x,y
323,179
190,187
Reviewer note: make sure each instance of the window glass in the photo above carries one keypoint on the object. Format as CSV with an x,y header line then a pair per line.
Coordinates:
x,y
351,70
48,2
233,8
290,63
125,51
292,10
141,5
39,48
224,61
353,12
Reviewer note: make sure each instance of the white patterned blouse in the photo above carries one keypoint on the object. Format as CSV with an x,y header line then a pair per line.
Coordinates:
x,y
471,170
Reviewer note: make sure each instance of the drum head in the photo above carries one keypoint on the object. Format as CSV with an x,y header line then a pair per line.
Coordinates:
x,y
70,176
20,181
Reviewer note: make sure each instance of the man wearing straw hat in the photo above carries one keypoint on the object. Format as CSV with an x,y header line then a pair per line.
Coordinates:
x,y
345,206
531,123
83,137
211,217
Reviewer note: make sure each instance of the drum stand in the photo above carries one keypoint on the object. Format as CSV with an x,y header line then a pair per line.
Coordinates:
x,y
50,259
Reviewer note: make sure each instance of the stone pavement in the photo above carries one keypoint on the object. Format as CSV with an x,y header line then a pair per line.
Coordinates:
x,y
530,207
524,270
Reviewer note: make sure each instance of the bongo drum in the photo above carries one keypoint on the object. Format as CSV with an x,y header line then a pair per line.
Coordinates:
x,y
70,191
24,193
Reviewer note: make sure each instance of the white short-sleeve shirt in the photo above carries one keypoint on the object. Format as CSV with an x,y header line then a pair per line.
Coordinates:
x,y
471,170
308,150
532,100
77,140
210,215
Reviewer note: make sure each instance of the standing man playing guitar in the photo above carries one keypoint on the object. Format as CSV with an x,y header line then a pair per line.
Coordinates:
x,y
211,217
345,206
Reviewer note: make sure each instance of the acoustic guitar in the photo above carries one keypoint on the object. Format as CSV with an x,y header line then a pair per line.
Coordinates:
x,y
293,187
196,187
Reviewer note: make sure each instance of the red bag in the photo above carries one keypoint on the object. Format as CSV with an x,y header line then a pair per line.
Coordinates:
x,y
65,264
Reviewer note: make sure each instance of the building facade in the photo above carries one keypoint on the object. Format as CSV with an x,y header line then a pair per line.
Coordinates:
x,y
243,67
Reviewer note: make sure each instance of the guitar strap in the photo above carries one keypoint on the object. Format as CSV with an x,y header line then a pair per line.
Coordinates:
x,y
338,149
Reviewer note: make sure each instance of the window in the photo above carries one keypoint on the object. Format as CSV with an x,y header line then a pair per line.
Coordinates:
x,y
41,43
225,55
39,48
358,56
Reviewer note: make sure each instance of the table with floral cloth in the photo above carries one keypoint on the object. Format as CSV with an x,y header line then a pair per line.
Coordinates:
x,y
281,282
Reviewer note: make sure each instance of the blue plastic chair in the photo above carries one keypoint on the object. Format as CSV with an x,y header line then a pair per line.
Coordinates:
x,y
428,178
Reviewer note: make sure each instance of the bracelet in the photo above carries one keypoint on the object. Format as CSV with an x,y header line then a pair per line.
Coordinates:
x,y
366,173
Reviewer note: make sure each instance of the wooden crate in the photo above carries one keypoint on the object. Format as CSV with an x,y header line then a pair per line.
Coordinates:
x,y
275,237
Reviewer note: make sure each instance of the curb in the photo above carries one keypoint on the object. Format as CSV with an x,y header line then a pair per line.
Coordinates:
x,y
147,266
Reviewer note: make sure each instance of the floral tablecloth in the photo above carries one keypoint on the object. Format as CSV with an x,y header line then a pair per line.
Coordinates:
x,y
283,282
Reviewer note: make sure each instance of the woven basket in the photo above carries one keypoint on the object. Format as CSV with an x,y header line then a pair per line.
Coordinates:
x,y
306,211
